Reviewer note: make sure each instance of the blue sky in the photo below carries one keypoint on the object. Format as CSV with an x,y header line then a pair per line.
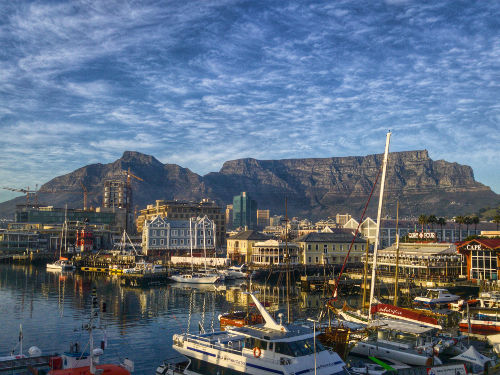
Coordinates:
x,y
196,83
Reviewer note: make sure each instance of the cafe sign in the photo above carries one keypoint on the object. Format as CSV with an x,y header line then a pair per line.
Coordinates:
x,y
473,246
426,236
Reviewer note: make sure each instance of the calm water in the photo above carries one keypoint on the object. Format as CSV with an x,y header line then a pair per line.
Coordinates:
x,y
139,322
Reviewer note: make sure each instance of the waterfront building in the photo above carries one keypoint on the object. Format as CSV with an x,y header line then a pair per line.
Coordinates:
x,y
240,245
342,219
482,258
183,210
262,218
164,237
424,262
330,247
244,211
273,253
449,232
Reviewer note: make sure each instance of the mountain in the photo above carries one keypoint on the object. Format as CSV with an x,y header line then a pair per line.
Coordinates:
x,y
314,188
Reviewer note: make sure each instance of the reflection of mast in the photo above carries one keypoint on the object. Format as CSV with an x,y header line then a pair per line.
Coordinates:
x,y
379,213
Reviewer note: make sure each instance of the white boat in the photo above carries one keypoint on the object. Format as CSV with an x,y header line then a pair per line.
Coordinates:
x,y
193,277
268,348
404,342
62,264
436,297
235,272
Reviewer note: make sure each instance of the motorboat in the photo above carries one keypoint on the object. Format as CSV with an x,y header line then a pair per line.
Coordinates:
x,y
436,297
62,264
398,340
196,278
481,322
235,272
260,349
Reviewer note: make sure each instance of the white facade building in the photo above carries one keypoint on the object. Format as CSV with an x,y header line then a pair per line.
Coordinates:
x,y
176,237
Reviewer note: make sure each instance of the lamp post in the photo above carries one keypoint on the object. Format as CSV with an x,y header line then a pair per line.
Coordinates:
x,y
314,340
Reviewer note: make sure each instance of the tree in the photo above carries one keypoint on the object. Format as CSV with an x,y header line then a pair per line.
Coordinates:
x,y
422,220
496,219
441,222
467,222
475,221
432,219
459,220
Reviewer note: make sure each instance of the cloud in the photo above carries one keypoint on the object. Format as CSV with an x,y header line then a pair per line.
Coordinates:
x,y
235,79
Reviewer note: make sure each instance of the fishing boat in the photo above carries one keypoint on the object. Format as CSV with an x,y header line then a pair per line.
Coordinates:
x,y
76,361
269,348
436,297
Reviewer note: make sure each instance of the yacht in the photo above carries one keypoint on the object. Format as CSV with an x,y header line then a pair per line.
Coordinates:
x,y
402,341
62,264
235,272
436,297
268,348
196,278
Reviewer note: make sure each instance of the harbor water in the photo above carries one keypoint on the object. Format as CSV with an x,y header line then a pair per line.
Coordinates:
x,y
138,322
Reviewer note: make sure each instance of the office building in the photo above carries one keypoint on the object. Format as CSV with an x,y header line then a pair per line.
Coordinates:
x,y
244,212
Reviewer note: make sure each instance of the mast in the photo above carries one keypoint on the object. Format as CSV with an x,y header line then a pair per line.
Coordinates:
x,y
191,244
65,229
365,274
204,244
396,274
287,263
379,213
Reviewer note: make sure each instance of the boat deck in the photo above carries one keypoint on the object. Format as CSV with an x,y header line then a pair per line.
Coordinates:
x,y
7,367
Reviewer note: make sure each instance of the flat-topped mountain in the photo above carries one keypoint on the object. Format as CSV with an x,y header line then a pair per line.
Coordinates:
x,y
314,187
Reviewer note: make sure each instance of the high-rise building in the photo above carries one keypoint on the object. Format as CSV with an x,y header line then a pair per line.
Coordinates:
x,y
262,218
244,211
115,194
229,216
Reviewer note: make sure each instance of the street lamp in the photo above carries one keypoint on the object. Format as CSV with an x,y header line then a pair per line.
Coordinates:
x,y
314,340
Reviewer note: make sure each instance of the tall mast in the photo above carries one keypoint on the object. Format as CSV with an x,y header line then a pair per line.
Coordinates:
x,y
287,262
379,213
396,274
204,244
191,244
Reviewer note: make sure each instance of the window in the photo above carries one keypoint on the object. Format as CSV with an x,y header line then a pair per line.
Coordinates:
x,y
181,242
317,260
309,260
355,247
309,247
174,232
153,242
162,242
162,233
154,232
317,247
174,241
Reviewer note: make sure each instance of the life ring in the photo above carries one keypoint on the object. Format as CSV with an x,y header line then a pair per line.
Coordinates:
x,y
256,352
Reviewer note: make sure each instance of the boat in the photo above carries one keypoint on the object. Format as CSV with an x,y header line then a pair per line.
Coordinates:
x,y
62,264
481,322
269,348
193,277
436,297
76,361
402,341
235,272
239,319
173,366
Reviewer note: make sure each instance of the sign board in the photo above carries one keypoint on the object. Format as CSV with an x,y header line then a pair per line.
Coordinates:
x,y
422,236
447,370
473,246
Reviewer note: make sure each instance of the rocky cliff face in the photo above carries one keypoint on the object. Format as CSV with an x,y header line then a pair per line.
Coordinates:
x,y
314,187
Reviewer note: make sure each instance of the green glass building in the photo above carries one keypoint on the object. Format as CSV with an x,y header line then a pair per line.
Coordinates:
x,y
244,211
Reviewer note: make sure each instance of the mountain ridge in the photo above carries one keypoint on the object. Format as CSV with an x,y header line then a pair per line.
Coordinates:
x,y
314,187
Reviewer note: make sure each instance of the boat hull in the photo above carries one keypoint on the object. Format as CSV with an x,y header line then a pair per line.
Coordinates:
x,y
480,326
368,349
107,369
195,279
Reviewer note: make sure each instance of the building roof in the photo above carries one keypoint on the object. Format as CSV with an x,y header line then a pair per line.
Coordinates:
x,y
492,243
421,249
251,235
334,236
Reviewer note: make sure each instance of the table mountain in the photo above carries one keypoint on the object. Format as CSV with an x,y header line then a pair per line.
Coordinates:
x,y
315,187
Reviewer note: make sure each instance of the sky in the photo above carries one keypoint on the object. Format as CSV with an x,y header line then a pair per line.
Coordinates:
x,y
197,83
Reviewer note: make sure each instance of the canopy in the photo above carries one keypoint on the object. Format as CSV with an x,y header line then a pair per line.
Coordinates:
x,y
473,356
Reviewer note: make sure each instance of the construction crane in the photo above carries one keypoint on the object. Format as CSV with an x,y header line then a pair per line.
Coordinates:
x,y
27,191
85,194
129,187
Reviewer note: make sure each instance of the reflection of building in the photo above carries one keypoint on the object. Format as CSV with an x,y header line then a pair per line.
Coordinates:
x,y
273,253
329,247
482,256
422,261
244,211
262,218
180,210
173,237
239,246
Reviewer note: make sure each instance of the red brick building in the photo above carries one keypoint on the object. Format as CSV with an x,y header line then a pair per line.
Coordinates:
x,y
483,258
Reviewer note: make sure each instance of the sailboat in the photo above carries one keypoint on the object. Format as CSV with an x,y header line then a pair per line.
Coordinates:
x,y
62,264
193,277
